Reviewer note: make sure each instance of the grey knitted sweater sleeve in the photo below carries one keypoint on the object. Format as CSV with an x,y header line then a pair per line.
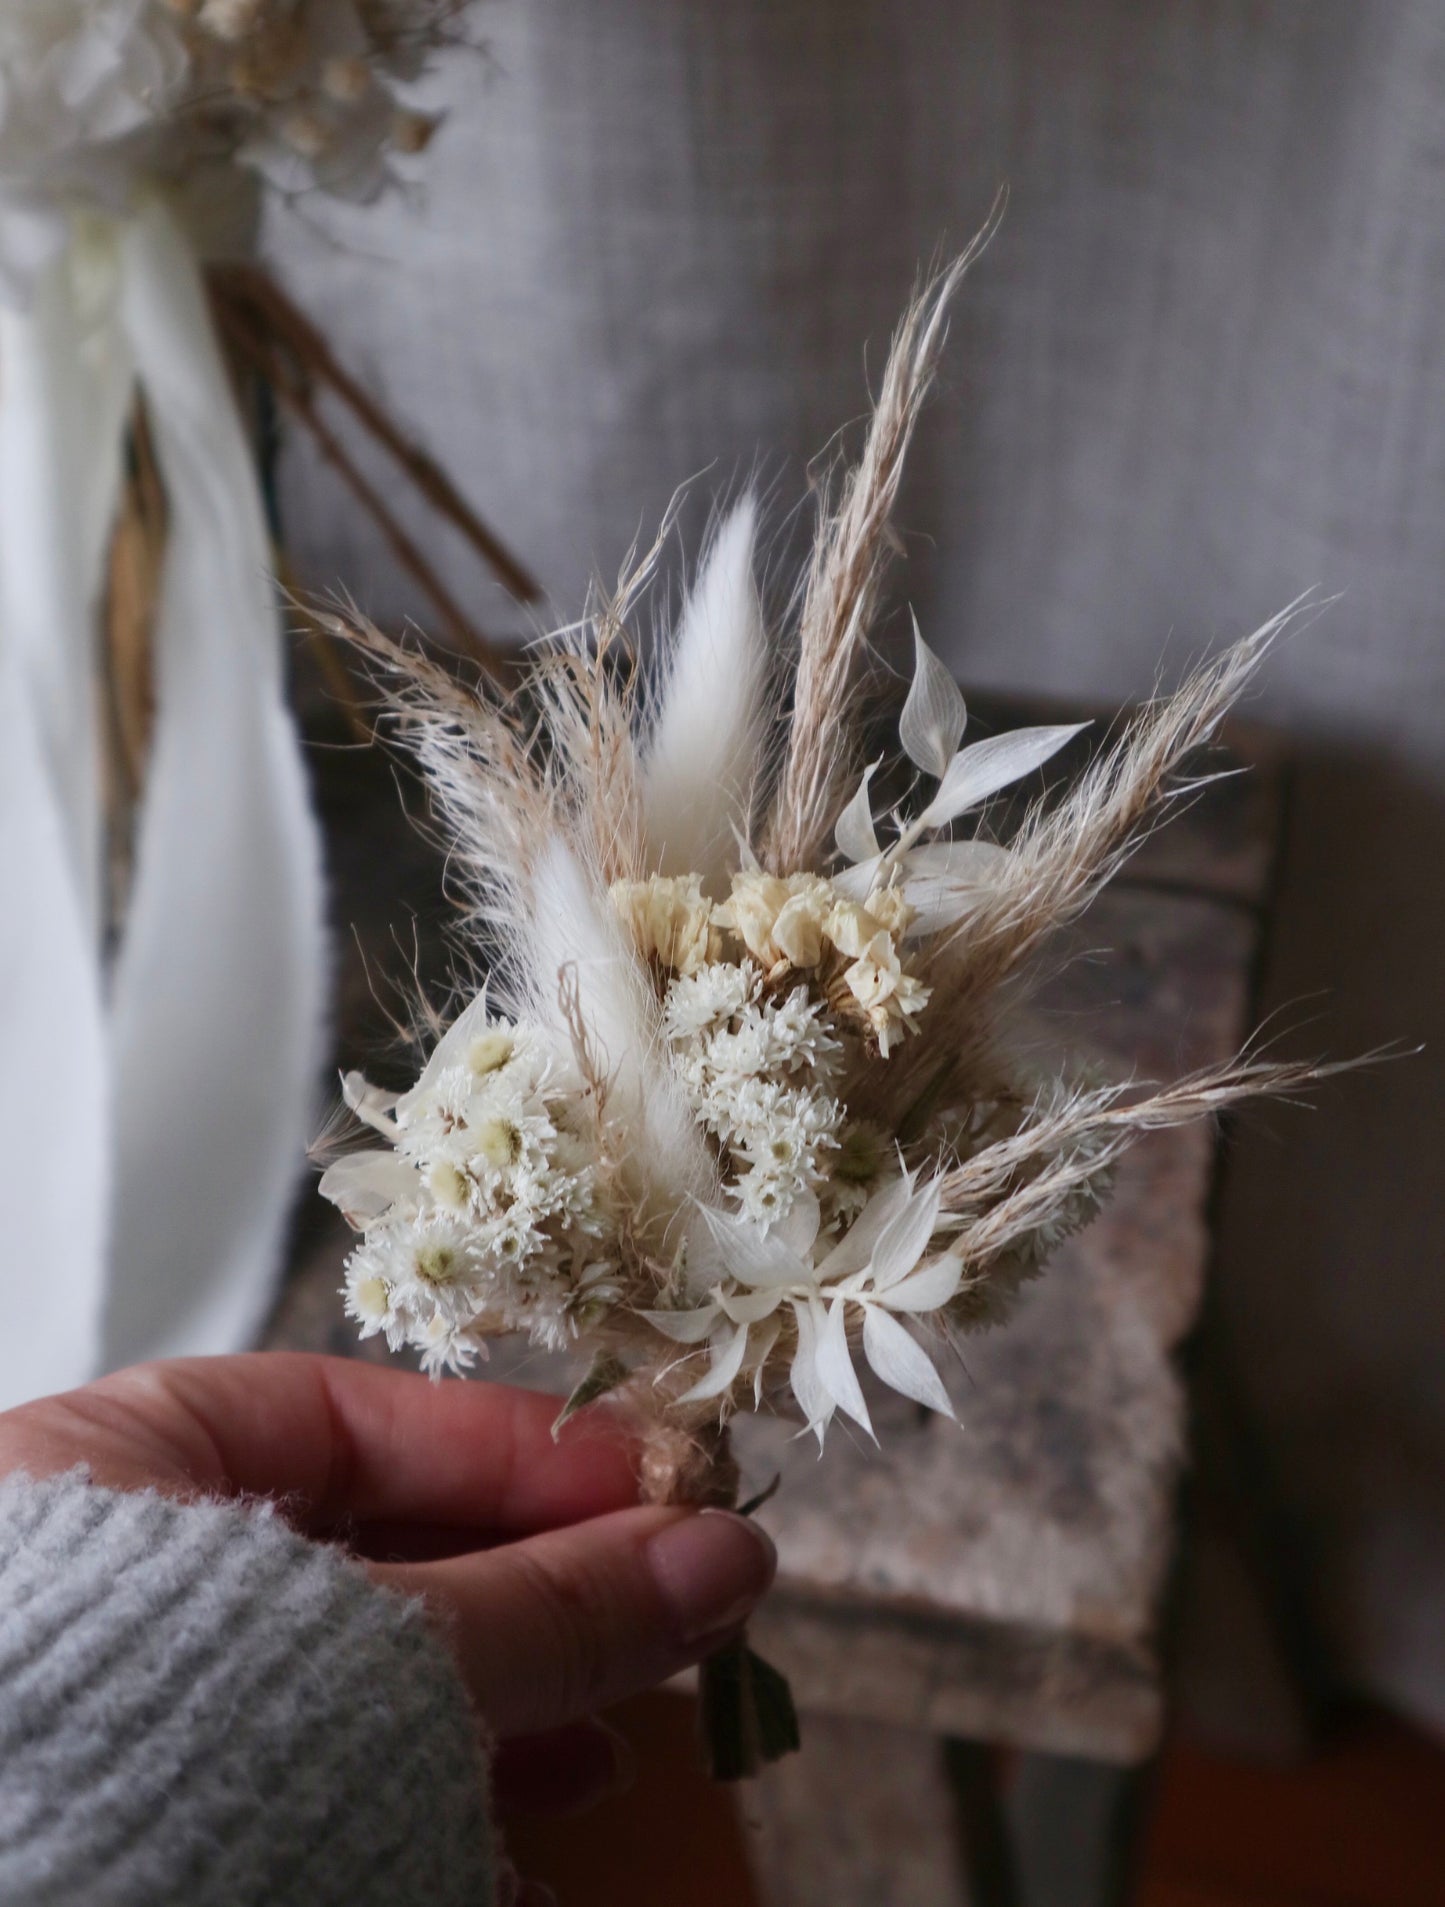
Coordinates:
x,y
197,1705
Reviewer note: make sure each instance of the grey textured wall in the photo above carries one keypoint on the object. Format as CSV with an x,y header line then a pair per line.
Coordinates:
x,y
1202,367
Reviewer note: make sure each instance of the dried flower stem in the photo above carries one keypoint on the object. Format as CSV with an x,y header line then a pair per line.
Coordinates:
x,y
292,391
266,306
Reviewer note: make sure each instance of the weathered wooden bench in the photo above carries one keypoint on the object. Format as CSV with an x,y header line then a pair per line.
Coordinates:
x,y
994,1586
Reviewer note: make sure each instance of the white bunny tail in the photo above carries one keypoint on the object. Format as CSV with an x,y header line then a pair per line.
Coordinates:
x,y
584,969
706,738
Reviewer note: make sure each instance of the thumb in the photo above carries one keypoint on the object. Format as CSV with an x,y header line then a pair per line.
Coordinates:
x,y
551,1629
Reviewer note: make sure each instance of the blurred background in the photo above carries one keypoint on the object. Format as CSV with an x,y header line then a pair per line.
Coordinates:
x,y
1200,369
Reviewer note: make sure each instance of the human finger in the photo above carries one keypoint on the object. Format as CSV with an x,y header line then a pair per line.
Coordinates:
x,y
561,1772
550,1629
339,1441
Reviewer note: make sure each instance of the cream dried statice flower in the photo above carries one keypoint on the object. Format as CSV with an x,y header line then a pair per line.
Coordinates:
x,y
669,919
806,922
767,1119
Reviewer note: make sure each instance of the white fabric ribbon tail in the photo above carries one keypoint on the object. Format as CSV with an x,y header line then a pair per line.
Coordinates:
x,y
216,1013
151,1140
64,385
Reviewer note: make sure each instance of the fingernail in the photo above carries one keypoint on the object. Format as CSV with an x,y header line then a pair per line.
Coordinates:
x,y
711,1570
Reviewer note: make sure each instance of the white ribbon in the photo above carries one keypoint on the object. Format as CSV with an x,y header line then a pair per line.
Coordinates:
x,y
148,1146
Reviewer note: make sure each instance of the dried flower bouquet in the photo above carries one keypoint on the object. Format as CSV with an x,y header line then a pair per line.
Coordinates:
x,y
736,1102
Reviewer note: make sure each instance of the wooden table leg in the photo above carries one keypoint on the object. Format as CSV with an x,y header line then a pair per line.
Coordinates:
x,y
983,1831
875,1816
863,1817
1076,1829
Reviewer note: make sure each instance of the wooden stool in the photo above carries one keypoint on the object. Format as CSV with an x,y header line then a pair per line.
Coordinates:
x,y
962,1592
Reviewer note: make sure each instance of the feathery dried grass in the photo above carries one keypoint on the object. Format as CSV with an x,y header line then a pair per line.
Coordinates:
x,y
1061,857
496,811
845,581
586,697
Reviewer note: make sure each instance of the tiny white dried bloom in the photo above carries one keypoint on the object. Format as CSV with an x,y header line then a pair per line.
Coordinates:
x,y
709,997
756,1072
489,1201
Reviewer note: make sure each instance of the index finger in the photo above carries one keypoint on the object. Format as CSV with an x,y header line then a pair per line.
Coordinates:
x,y
337,1441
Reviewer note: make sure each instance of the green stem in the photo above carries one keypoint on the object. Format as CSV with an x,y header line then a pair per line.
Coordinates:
x,y
746,1713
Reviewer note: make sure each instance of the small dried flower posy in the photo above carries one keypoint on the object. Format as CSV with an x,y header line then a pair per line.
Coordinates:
x,y
736,1105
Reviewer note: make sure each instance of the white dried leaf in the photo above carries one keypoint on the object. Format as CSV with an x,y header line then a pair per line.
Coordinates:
x,y
983,768
855,1247
363,1185
901,1363
760,1349
935,714
928,1289
835,1368
372,1106
944,879
857,883
684,1327
754,1257
751,1307
905,1238
813,1399
855,835
449,1050
727,1362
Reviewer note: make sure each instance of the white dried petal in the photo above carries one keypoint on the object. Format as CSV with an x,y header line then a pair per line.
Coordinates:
x,y
855,834
902,1364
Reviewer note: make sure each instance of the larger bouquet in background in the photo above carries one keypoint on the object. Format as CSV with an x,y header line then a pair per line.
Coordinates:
x,y
160,1045
734,1105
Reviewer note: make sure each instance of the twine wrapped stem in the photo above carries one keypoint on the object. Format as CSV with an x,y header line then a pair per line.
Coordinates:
x,y
746,1715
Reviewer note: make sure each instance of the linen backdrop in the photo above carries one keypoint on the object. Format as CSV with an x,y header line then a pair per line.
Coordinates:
x,y
1201,368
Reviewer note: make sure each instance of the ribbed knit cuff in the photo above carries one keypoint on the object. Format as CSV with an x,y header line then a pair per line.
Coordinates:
x,y
197,1705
